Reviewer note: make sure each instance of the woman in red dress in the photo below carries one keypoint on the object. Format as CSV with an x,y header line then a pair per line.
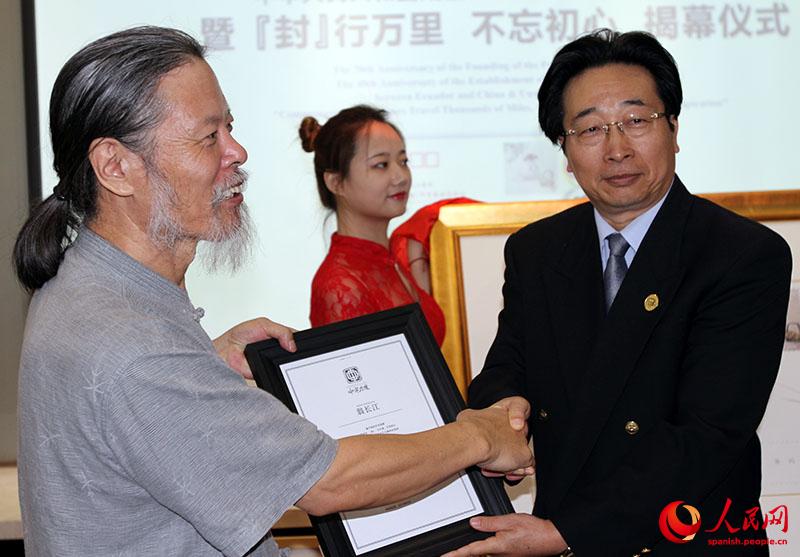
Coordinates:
x,y
362,174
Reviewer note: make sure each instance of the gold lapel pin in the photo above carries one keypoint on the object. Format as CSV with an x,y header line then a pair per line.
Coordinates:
x,y
651,302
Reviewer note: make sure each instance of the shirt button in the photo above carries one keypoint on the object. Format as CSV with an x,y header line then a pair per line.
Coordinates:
x,y
632,428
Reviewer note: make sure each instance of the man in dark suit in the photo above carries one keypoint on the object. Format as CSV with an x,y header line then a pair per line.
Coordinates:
x,y
641,332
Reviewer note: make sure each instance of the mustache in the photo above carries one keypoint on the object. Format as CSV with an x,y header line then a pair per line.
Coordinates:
x,y
222,189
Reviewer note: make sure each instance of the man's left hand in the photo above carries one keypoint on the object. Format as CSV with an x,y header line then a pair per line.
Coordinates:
x,y
515,535
230,345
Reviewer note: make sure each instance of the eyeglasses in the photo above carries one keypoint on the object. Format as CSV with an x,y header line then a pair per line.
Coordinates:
x,y
634,125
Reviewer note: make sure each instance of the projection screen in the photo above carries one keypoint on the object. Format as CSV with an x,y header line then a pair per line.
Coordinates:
x,y
460,79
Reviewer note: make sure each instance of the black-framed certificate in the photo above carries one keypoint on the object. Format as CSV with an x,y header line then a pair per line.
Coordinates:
x,y
380,373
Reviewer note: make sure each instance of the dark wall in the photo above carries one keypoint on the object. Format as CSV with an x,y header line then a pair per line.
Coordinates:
x,y
13,211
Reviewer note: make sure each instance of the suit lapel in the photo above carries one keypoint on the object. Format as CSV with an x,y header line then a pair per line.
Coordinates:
x,y
623,335
574,293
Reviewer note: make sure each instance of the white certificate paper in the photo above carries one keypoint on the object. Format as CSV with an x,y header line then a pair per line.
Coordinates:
x,y
377,387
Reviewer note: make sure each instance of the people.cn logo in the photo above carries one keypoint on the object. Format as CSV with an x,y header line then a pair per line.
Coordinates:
x,y
673,528
352,374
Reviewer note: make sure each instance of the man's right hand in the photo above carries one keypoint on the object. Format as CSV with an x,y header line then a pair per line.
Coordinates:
x,y
519,410
507,448
373,470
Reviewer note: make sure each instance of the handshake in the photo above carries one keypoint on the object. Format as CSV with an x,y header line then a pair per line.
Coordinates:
x,y
495,438
501,431
372,470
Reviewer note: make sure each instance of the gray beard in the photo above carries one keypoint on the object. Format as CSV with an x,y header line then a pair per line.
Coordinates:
x,y
225,248
228,250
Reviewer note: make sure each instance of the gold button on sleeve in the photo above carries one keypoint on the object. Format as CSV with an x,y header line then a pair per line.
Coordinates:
x,y
632,428
543,414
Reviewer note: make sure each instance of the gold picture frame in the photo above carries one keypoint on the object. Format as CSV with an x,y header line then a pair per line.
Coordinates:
x,y
488,219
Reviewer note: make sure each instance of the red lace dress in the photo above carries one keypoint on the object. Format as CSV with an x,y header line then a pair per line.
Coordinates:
x,y
359,277
419,228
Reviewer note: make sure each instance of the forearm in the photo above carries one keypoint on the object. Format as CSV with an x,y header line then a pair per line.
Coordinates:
x,y
503,374
493,387
504,370
379,469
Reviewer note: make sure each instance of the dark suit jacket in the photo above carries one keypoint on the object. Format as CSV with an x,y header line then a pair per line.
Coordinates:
x,y
694,374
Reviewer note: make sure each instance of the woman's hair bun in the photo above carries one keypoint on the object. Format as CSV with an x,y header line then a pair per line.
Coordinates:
x,y
309,128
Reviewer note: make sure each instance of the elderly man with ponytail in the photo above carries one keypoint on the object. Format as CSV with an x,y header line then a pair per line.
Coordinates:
x,y
138,434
